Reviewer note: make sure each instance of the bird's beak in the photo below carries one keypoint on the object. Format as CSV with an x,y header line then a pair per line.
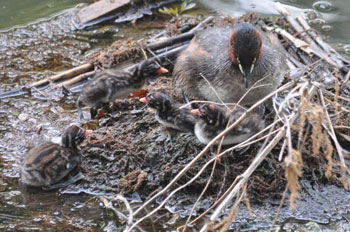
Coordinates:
x,y
196,112
87,132
251,68
162,70
245,75
144,100
241,68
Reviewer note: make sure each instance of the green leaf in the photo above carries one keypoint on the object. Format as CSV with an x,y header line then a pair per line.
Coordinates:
x,y
163,11
183,5
173,11
15,113
176,12
190,6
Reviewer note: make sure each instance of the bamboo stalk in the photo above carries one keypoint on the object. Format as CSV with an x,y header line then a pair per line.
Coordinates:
x,y
171,41
76,79
64,75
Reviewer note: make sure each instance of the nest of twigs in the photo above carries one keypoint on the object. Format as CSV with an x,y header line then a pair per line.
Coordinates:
x,y
308,133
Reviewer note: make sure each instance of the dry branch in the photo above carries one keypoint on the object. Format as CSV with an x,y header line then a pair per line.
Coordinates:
x,y
64,75
180,38
310,47
76,79
199,156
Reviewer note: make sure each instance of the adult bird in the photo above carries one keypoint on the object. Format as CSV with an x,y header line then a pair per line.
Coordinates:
x,y
222,63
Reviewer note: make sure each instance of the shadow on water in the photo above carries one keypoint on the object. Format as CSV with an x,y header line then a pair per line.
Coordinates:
x,y
38,50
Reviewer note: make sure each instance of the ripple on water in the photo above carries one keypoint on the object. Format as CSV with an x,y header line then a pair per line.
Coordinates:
x,y
347,49
323,6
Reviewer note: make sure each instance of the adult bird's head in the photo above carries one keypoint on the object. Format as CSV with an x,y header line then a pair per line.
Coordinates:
x,y
245,49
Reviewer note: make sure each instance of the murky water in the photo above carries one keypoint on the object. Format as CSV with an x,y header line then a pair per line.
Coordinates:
x,y
33,52
15,13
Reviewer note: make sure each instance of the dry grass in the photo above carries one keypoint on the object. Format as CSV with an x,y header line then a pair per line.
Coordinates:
x,y
293,173
303,128
307,125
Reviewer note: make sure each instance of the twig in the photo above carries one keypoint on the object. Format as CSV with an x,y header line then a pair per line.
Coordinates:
x,y
254,86
311,48
39,91
171,41
332,133
202,193
216,202
64,75
258,159
76,79
328,49
120,214
297,42
341,127
282,151
289,138
211,143
207,20
279,208
249,141
214,90
180,38
246,143
232,214
201,24
330,93
244,177
166,55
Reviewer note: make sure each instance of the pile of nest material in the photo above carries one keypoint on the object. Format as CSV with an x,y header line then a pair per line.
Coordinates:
x,y
308,132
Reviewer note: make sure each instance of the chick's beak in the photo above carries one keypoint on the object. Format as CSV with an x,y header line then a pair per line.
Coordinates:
x,y
162,70
87,132
144,100
196,112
